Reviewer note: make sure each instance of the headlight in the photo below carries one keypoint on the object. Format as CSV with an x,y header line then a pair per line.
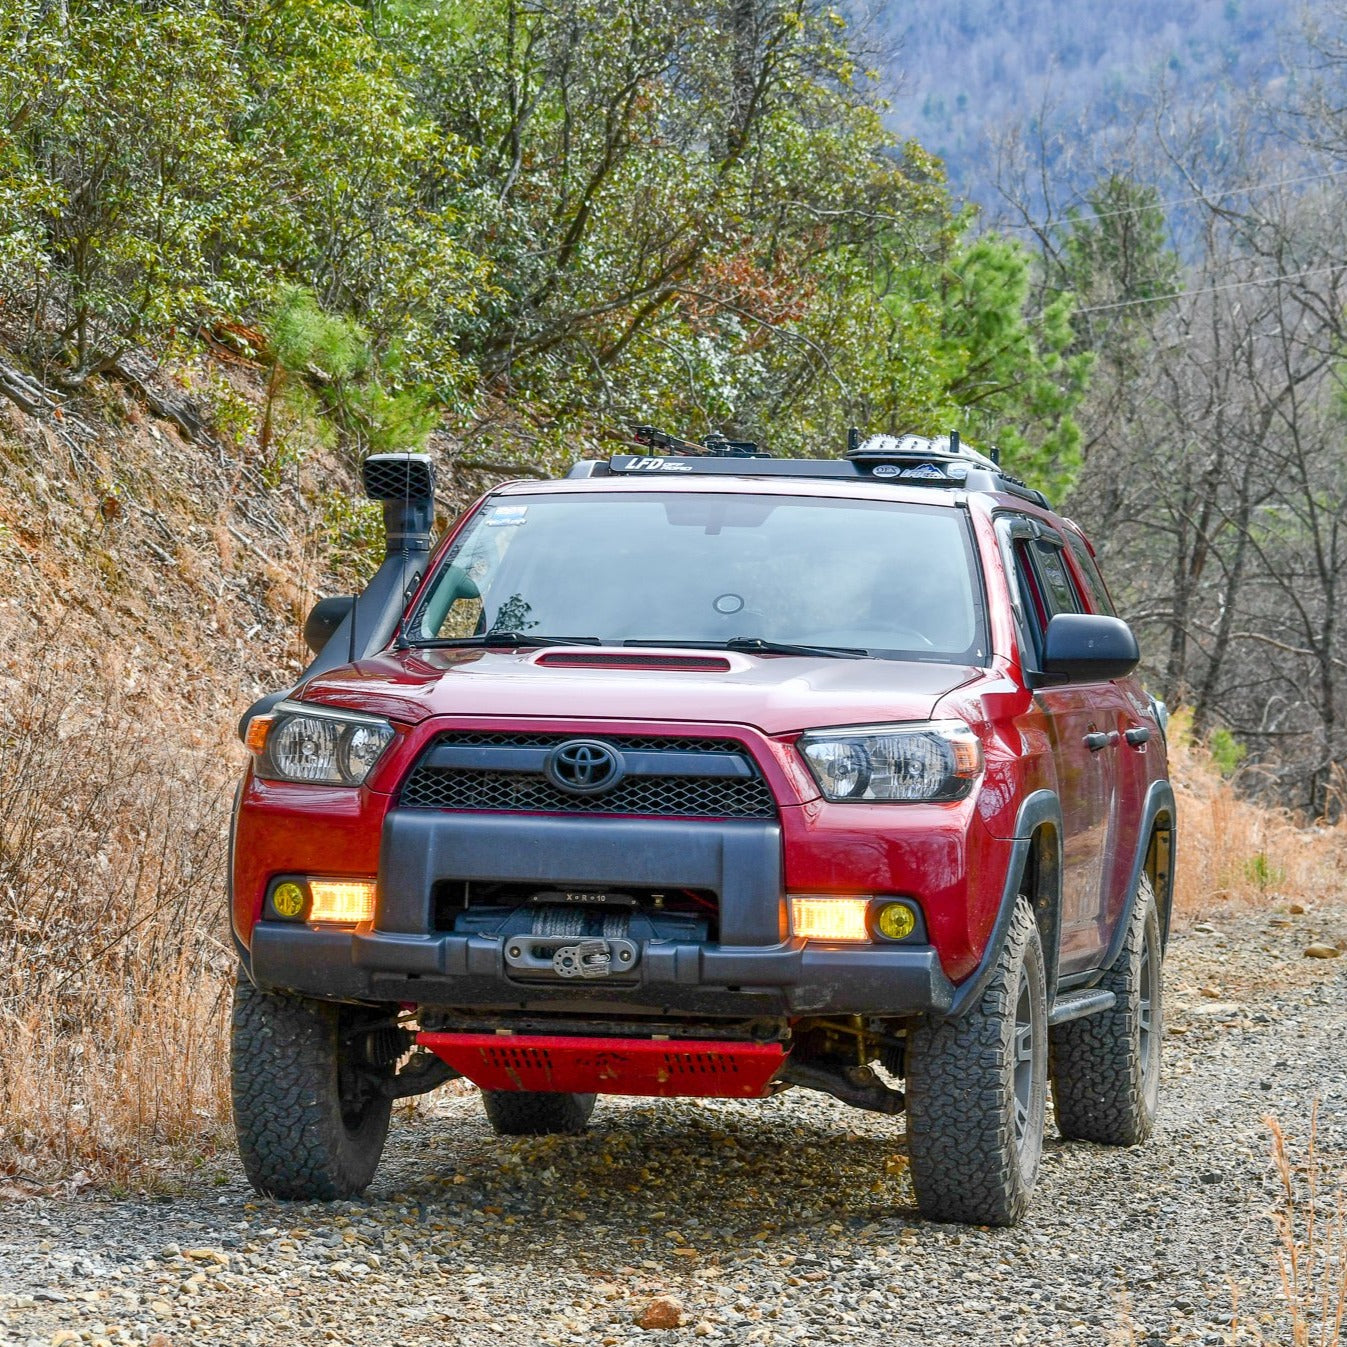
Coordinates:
x,y
327,747
926,760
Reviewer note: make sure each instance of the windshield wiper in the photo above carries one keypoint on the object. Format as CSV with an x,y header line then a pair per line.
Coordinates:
x,y
512,640
756,645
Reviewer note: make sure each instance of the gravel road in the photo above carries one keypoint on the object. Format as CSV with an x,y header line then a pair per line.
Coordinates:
x,y
789,1221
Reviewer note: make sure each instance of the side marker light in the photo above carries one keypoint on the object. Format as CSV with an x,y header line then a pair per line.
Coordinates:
x,y
258,728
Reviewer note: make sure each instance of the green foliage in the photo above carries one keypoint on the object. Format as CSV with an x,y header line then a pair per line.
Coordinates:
x,y
344,375
694,214
1260,871
120,184
304,337
1118,249
1226,751
990,365
360,187
556,220
352,536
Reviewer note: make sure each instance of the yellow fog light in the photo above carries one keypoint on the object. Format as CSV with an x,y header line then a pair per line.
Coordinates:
x,y
896,921
347,901
288,899
829,918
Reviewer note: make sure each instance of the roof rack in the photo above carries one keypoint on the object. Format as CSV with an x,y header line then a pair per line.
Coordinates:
x,y
714,446
909,460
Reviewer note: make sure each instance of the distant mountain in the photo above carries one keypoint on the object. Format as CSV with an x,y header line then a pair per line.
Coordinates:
x,y
961,74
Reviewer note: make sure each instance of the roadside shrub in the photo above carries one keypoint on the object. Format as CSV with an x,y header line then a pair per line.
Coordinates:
x,y
1226,751
114,961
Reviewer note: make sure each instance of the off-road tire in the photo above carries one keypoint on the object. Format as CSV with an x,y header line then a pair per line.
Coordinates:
x,y
297,1136
977,1092
531,1113
1106,1067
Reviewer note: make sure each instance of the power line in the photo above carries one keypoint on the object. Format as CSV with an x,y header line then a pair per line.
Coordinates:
x,y
1185,200
1212,289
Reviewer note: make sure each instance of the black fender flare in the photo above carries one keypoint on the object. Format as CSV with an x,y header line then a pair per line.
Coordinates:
x,y
1038,808
1158,816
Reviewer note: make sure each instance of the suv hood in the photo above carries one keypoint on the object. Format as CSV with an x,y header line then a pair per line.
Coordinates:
x,y
778,694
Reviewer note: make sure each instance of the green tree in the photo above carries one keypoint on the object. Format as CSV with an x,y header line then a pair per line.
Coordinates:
x,y
122,188
362,191
334,355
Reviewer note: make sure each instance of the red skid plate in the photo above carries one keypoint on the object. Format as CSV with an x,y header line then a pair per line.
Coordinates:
x,y
707,1069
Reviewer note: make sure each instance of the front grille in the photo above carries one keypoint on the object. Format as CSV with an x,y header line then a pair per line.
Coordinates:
x,y
681,795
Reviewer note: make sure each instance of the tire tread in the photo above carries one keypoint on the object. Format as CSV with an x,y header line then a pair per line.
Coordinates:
x,y
961,1135
532,1113
292,1138
1097,1076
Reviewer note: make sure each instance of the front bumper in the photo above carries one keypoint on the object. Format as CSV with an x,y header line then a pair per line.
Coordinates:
x,y
469,971
754,968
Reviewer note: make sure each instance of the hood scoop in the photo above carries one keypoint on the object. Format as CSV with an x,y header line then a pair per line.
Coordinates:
x,y
662,661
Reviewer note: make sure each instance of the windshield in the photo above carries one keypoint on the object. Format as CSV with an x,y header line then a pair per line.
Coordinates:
x,y
890,579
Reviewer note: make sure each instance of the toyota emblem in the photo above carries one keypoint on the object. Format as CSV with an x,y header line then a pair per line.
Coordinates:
x,y
584,766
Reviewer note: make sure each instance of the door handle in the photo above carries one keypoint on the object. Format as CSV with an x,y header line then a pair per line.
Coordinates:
x,y
1094,742
1137,735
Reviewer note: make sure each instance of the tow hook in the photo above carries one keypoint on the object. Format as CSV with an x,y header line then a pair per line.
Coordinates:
x,y
854,1085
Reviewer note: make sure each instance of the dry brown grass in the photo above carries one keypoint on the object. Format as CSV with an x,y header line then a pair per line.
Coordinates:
x,y
113,955
1311,1223
1234,853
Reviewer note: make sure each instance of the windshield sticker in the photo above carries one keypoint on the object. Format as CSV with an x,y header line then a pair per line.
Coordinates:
x,y
506,516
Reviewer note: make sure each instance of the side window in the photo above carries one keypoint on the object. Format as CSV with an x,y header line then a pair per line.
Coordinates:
x,y
1031,590
1059,591
1096,590
1014,534
1044,582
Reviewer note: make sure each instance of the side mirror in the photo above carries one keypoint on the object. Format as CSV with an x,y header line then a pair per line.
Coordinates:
x,y
324,619
1089,648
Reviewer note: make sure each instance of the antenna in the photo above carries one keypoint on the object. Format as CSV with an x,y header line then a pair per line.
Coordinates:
x,y
853,439
954,441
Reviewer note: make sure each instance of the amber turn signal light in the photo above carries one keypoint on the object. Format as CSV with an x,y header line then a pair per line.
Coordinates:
x,y
345,902
825,918
255,740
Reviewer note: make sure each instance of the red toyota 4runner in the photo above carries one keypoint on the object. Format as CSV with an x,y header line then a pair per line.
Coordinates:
x,y
707,773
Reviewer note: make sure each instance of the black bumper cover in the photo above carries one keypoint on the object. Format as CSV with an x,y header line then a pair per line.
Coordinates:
x,y
469,971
